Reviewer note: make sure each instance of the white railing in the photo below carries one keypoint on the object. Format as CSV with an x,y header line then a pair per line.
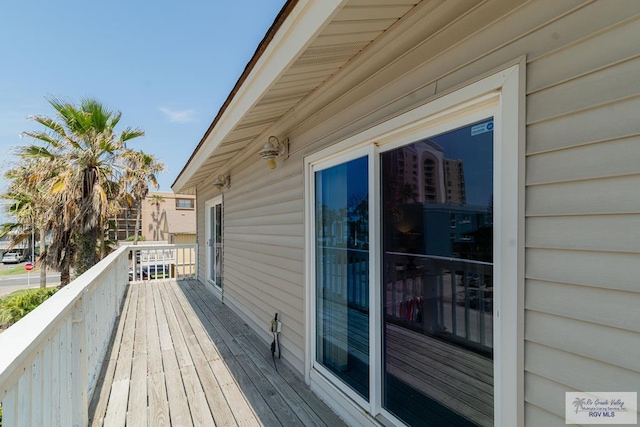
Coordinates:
x,y
156,262
50,360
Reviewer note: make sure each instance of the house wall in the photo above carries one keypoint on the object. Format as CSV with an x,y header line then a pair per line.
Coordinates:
x,y
154,214
582,325
182,239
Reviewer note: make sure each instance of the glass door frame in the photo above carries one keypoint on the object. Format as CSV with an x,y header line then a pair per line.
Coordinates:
x,y
502,96
316,368
209,237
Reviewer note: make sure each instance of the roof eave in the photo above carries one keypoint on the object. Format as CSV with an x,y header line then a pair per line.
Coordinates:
x,y
293,29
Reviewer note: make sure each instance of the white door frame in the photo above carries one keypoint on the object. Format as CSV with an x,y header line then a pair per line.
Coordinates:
x,y
209,204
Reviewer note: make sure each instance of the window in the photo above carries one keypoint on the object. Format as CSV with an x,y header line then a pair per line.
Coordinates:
x,y
185,204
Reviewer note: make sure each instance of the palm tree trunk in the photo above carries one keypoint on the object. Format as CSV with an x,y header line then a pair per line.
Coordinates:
x,y
65,276
43,266
138,219
103,248
87,255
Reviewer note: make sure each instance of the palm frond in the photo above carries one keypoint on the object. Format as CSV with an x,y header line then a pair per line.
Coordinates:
x,y
130,133
9,227
36,151
44,137
49,123
58,186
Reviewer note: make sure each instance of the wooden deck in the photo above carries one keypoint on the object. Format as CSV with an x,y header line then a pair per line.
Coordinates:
x,y
179,357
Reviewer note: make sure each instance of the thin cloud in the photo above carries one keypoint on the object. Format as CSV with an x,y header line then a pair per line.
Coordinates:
x,y
179,116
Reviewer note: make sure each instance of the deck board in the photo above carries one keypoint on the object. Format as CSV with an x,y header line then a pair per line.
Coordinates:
x,y
180,357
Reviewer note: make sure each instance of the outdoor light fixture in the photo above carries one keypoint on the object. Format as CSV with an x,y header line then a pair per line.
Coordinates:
x,y
274,149
222,181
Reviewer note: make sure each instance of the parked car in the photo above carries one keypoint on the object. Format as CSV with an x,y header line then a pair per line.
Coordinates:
x,y
12,258
154,271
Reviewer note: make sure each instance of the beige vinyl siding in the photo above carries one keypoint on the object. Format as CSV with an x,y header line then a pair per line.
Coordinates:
x,y
263,250
582,175
184,239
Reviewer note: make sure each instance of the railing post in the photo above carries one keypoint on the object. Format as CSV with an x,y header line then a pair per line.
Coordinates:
x,y
79,402
196,255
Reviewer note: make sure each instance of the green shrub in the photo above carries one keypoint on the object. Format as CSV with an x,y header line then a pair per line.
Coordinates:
x,y
16,305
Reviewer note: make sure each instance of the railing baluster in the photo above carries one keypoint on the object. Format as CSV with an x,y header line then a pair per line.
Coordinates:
x,y
465,279
80,402
481,313
10,407
440,279
36,391
454,303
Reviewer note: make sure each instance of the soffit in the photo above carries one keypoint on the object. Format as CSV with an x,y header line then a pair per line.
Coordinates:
x,y
352,29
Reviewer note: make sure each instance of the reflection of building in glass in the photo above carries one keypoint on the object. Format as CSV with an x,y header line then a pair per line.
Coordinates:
x,y
423,168
426,198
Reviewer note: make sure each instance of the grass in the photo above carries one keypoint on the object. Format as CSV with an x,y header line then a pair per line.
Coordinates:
x,y
17,271
18,304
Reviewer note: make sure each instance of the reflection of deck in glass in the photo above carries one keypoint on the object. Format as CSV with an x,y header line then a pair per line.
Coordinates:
x,y
460,380
438,338
427,371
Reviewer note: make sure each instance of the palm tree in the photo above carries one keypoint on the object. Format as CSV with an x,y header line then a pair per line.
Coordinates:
x,y
141,170
85,156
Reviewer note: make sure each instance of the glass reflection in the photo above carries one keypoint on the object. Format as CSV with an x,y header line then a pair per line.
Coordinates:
x,y
438,278
342,272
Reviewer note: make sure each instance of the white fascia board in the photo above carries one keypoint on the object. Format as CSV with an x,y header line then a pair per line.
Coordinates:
x,y
300,28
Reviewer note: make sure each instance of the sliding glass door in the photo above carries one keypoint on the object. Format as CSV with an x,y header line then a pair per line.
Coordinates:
x,y
437,278
213,225
426,352
341,228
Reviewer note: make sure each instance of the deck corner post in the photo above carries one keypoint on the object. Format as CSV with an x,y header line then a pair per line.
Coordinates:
x,y
79,374
196,260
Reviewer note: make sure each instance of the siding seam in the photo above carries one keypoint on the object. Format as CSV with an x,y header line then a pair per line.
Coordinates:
x,y
570,147
537,279
568,181
583,74
583,109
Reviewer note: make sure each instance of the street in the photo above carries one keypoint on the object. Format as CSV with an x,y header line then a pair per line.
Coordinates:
x,y
13,283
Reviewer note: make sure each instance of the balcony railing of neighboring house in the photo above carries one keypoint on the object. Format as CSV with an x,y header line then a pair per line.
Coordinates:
x,y
51,359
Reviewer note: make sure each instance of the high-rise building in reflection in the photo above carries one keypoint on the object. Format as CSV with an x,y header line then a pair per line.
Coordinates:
x,y
425,175
426,195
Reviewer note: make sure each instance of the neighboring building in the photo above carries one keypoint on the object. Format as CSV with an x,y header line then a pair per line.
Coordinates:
x,y
452,234
165,217
180,226
23,247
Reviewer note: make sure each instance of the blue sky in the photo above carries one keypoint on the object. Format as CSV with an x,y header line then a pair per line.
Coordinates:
x,y
167,65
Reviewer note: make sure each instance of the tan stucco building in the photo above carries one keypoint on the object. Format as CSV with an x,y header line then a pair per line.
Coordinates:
x,y
166,217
